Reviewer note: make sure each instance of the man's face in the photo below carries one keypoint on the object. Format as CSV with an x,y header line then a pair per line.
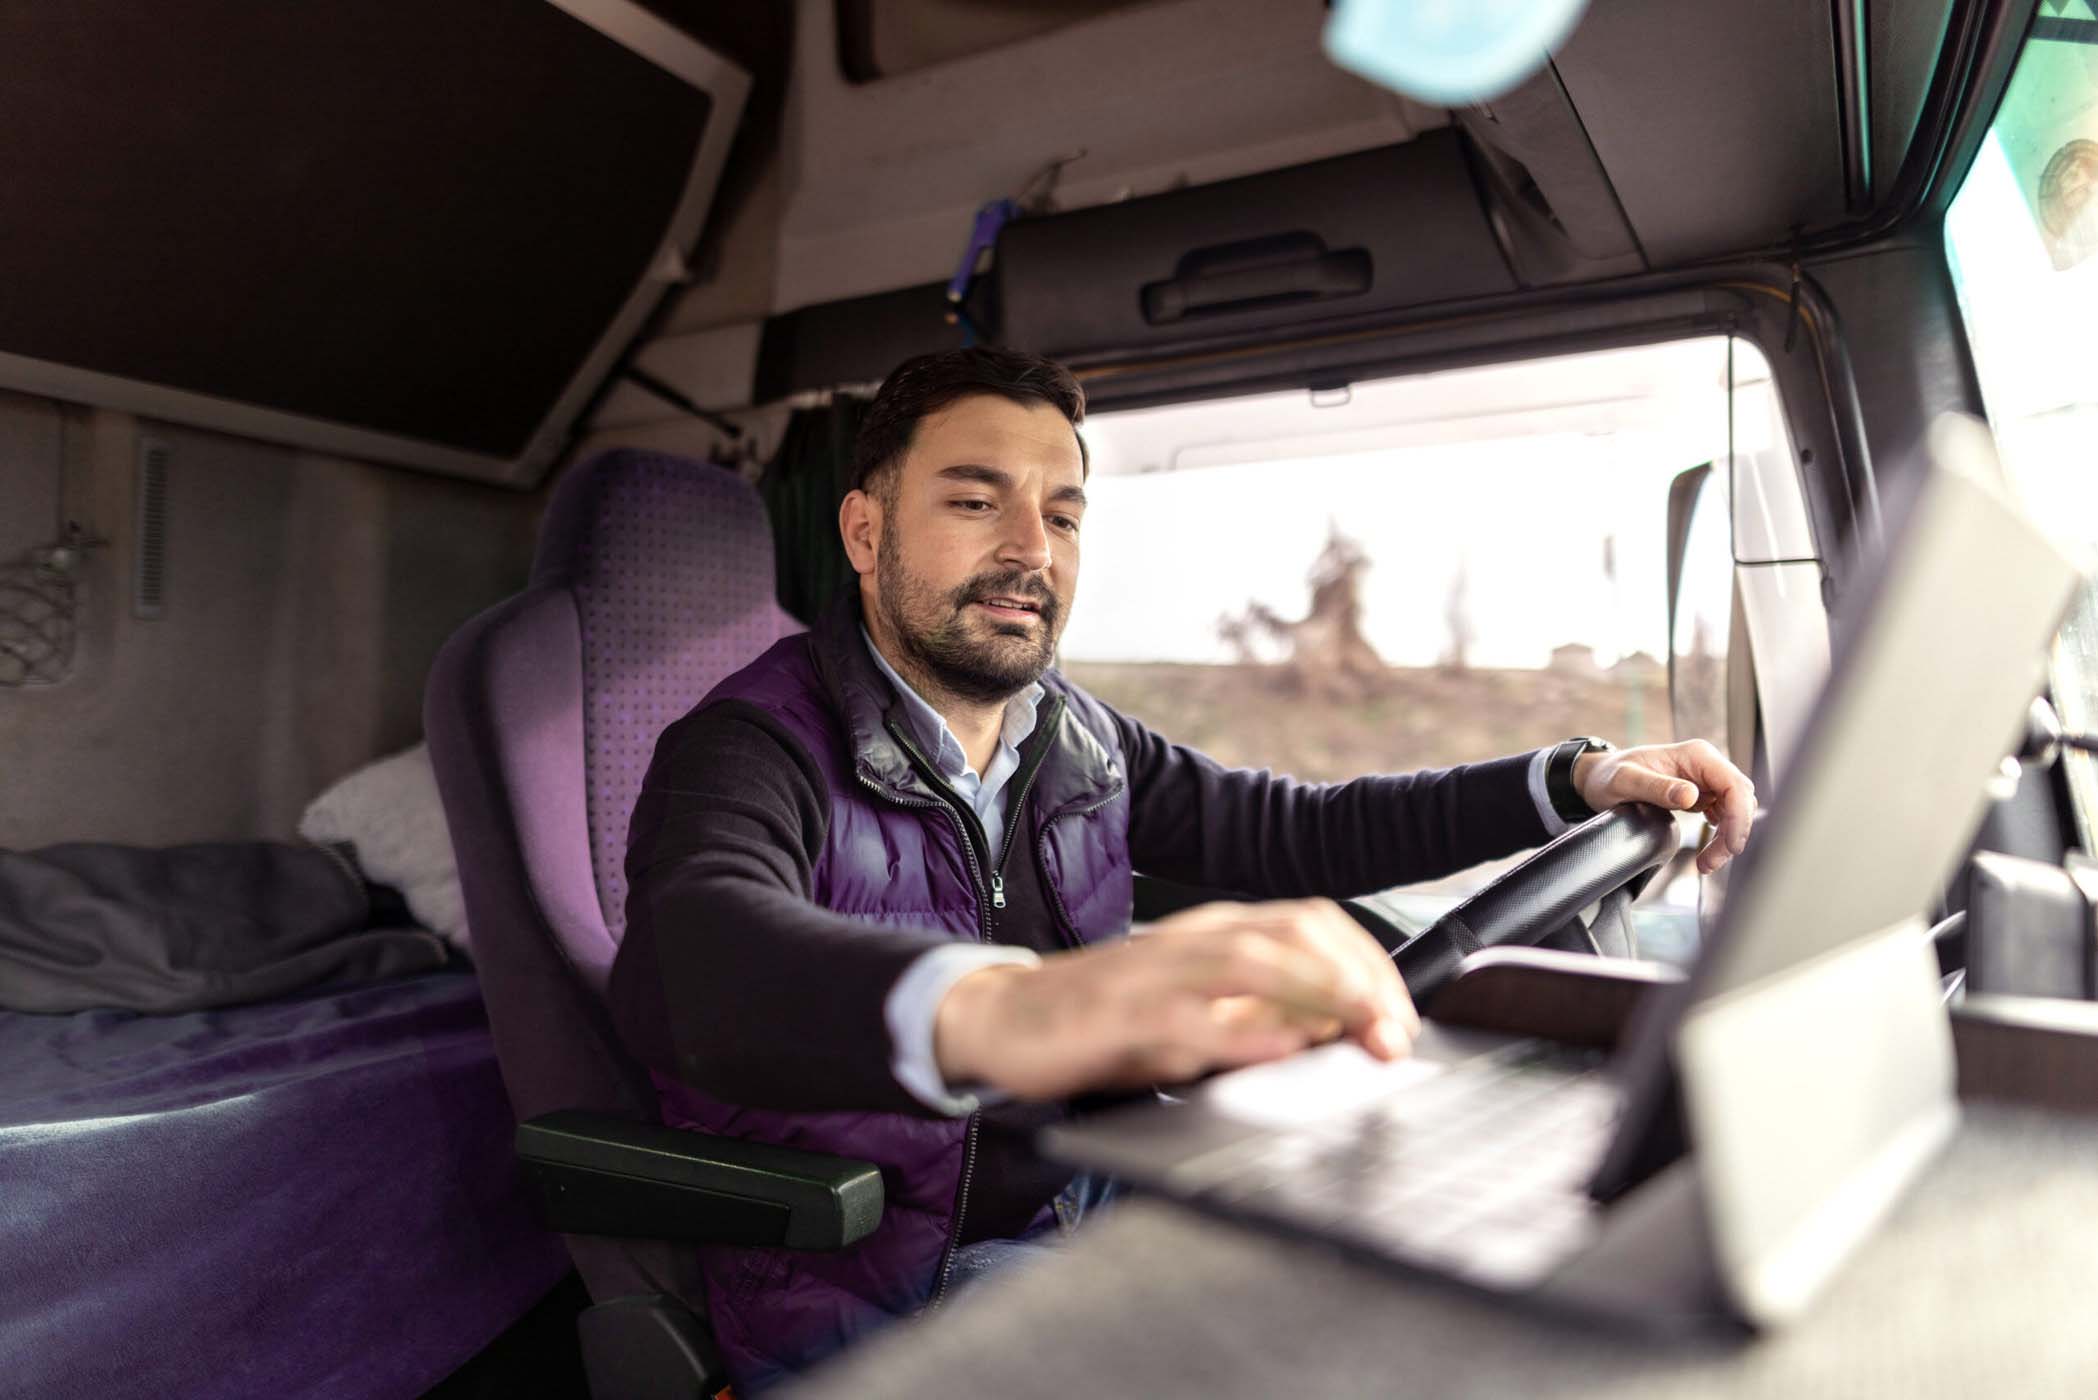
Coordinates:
x,y
974,542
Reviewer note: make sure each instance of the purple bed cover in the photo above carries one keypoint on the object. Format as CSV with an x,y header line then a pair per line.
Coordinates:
x,y
313,1196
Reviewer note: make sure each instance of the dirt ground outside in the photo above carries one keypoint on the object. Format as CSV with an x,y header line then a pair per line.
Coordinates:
x,y
1395,720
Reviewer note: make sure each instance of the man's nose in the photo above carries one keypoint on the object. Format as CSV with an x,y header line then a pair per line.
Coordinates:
x,y
1026,543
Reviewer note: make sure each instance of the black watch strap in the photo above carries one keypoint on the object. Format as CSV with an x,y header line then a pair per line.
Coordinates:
x,y
1558,778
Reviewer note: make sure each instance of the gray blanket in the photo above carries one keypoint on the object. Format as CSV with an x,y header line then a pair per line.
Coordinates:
x,y
182,928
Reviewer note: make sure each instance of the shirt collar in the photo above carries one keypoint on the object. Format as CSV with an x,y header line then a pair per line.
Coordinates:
x,y
931,726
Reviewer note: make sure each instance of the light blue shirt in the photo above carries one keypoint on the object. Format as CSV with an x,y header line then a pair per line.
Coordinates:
x,y
985,793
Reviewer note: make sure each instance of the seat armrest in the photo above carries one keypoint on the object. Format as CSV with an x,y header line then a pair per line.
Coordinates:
x,y
594,1174
1574,998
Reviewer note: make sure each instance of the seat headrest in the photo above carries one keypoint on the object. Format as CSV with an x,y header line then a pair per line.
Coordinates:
x,y
670,563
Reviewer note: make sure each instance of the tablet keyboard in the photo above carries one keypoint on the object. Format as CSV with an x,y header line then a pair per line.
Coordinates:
x,y
1478,1169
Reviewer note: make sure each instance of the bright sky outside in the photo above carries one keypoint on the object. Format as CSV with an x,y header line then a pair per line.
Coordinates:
x,y
1516,475
2034,328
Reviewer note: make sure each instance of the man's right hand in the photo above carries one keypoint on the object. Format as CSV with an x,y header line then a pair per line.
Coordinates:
x,y
1208,988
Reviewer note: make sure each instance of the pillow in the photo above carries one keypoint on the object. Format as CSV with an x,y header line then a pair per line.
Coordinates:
x,y
389,815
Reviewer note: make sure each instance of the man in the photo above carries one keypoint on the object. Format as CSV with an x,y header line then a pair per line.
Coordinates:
x,y
881,877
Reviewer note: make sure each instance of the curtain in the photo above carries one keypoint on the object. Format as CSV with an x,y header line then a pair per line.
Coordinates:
x,y
802,486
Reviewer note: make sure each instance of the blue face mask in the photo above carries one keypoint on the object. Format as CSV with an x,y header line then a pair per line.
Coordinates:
x,y
1448,53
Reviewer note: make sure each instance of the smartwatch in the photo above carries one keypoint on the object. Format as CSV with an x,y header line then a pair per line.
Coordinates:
x,y
1558,777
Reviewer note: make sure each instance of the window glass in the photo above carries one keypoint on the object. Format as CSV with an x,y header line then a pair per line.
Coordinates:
x,y
1416,572
2021,237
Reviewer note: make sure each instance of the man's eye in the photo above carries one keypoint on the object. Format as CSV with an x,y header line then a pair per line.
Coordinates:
x,y
973,507
1064,523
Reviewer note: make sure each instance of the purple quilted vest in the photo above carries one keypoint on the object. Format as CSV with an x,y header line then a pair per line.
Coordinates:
x,y
895,855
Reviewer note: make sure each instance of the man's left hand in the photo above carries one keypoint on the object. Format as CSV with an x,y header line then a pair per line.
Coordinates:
x,y
1687,777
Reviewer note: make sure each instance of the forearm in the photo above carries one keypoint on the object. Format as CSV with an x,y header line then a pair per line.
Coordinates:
x,y
1267,836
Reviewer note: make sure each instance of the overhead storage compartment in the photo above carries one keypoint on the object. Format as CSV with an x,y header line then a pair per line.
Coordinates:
x,y
410,233
1378,231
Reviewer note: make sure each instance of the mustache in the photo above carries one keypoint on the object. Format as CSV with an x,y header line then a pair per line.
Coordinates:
x,y
1027,586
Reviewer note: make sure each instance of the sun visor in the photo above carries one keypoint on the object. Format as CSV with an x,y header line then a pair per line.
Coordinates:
x,y
1378,231
413,234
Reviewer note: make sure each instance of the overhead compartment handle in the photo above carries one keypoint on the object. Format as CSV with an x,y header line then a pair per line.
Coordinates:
x,y
1255,274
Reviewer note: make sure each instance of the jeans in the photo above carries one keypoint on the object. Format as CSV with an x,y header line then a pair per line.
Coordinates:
x,y
1086,1193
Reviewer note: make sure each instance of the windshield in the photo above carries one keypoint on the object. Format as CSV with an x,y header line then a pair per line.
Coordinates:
x,y
2021,237
1423,571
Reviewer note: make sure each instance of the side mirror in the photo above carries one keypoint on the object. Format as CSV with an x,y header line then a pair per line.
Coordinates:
x,y
1682,505
1701,630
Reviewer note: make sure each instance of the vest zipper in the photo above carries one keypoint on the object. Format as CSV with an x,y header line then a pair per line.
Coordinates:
x,y
1015,813
1016,804
961,1204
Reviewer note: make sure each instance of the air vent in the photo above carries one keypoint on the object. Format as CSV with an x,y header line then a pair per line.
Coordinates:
x,y
149,574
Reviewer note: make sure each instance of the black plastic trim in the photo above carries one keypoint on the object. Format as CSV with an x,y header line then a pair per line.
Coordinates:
x,y
592,1174
857,340
1383,230
1974,66
1854,103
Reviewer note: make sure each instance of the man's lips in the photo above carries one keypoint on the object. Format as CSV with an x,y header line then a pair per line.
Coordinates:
x,y
1008,607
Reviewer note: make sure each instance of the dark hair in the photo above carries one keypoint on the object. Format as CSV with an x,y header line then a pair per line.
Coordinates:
x,y
924,384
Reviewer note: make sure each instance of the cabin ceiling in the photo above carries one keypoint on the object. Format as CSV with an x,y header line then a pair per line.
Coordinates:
x,y
1709,129
1662,134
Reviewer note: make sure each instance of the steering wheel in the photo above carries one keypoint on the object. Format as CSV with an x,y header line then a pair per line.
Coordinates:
x,y
1536,901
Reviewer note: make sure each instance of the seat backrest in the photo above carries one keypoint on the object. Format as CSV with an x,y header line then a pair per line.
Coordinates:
x,y
670,566
653,581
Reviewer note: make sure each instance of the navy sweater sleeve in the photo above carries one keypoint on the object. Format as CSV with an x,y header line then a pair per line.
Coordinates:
x,y
730,977
1196,822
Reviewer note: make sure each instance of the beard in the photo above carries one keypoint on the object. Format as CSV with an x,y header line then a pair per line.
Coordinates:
x,y
972,657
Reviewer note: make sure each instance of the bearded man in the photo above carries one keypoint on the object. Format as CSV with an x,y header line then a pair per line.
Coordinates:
x,y
881,878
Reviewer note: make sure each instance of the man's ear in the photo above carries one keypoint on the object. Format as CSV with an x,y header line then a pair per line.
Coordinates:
x,y
860,525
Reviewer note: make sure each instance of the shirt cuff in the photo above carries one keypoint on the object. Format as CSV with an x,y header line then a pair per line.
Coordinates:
x,y
1553,822
912,1008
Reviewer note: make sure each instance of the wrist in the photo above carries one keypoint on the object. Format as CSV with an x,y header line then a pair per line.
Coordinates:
x,y
1566,778
964,1024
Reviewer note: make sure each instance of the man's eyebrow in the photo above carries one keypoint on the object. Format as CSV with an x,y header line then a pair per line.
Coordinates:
x,y
977,472
986,475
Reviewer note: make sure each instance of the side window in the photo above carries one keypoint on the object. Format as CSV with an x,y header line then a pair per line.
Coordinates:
x,y
2021,236
1424,571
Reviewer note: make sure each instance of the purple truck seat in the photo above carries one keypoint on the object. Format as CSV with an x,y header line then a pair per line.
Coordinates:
x,y
653,581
